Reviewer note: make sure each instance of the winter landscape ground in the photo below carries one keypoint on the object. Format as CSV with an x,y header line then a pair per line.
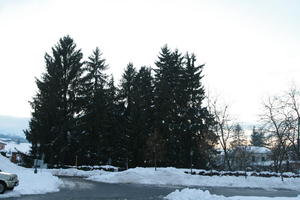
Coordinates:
x,y
46,181
29,183
194,194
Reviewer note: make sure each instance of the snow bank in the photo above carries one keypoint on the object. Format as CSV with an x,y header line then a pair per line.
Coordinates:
x,y
29,183
173,176
95,167
75,172
195,194
242,173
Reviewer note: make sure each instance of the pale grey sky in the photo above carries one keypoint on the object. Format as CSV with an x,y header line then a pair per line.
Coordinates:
x,y
251,48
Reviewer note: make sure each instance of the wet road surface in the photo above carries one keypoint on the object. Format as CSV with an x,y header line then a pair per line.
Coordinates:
x,y
80,189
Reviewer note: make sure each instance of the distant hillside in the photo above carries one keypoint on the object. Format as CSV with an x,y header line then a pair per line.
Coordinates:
x,y
13,126
12,138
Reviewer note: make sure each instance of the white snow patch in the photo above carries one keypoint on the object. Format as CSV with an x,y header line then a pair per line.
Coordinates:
x,y
196,194
173,176
29,183
75,172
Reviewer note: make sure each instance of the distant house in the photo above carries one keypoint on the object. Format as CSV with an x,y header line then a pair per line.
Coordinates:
x,y
15,151
2,145
243,157
259,155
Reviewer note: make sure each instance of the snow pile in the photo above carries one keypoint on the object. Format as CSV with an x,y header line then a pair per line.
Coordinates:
x,y
14,147
172,176
95,167
195,194
29,183
203,172
75,172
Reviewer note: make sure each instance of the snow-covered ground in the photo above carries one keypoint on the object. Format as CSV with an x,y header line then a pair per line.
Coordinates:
x,y
44,181
29,183
173,176
195,194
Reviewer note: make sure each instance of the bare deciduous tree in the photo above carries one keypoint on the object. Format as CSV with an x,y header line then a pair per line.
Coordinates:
x,y
293,100
223,128
278,122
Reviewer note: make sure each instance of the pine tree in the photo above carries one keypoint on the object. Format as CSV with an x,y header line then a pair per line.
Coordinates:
x,y
238,137
137,93
115,109
54,106
198,135
257,138
128,101
167,100
92,119
142,114
239,153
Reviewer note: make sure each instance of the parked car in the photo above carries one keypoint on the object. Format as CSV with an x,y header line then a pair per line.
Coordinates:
x,y
7,181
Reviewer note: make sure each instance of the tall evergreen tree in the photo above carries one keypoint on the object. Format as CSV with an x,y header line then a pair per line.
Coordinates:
x,y
183,123
142,115
116,148
239,153
127,98
92,119
167,100
54,106
257,138
137,93
238,137
197,121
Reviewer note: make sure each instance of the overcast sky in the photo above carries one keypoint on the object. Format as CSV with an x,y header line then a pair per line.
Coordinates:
x,y
251,48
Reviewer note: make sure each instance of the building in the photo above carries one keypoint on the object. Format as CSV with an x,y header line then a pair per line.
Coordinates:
x,y
14,150
246,157
259,154
2,145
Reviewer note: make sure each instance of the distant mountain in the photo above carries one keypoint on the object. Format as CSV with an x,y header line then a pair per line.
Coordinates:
x,y
13,126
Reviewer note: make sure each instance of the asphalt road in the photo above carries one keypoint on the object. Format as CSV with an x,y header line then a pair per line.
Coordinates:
x,y
78,188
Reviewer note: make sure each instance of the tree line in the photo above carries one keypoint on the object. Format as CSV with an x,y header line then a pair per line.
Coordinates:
x,y
279,131
154,115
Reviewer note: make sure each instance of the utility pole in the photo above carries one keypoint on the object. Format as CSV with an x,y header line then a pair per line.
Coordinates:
x,y
36,157
76,161
191,153
154,157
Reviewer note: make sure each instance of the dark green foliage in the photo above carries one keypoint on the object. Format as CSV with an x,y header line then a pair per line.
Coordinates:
x,y
140,119
92,119
167,102
54,106
127,99
136,92
80,115
257,138
180,119
114,129
198,122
